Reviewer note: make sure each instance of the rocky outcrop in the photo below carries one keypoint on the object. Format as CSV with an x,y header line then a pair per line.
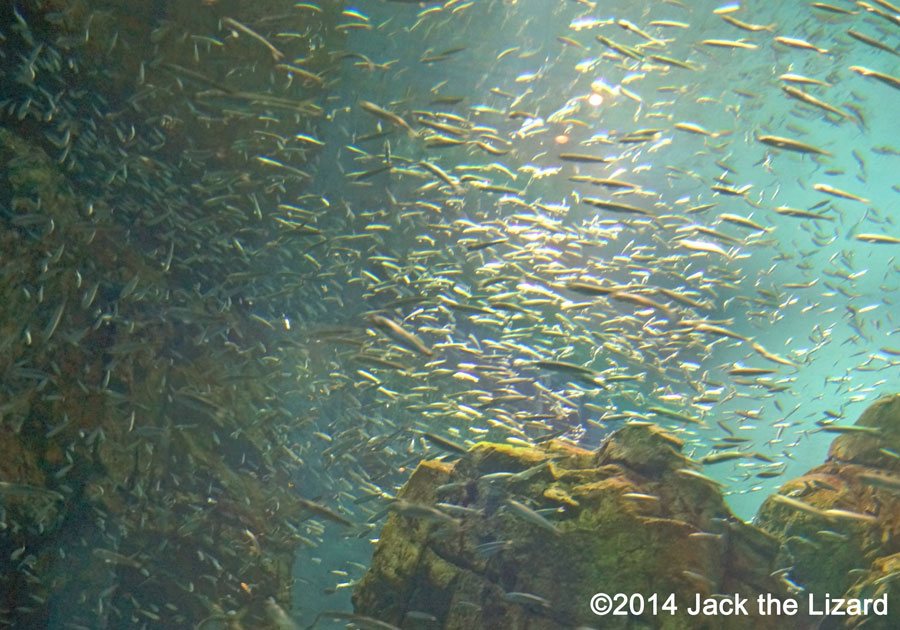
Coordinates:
x,y
523,537
111,491
144,480
839,522
515,537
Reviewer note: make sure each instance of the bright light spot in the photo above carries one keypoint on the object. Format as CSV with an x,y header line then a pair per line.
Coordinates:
x,y
595,99
561,139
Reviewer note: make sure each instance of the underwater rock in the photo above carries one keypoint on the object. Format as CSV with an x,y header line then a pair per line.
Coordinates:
x,y
867,447
141,483
518,537
839,522
879,581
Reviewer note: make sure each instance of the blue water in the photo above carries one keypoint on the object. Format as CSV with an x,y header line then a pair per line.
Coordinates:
x,y
532,82
834,331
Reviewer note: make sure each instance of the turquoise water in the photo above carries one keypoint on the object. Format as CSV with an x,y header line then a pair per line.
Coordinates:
x,y
837,331
834,331
621,209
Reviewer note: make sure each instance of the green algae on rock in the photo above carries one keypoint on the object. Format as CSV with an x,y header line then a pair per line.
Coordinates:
x,y
839,522
624,521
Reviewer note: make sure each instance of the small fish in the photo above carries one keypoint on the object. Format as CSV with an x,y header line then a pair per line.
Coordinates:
x,y
730,43
254,542
459,510
627,51
669,61
580,157
880,480
53,324
837,192
703,326
276,54
878,238
831,535
562,366
722,456
791,145
812,100
401,334
703,246
630,26
485,244
675,415
799,78
301,72
695,128
772,356
443,443
527,600
871,41
441,174
669,23
323,511
383,114
798,505
490,549
748,27
832,9
802,214
833,428
112,557
742,221
641,496
740,370
359,176
835,513
270,162
416,511
887,79
795,42
381,362
526,513
571,42
615,206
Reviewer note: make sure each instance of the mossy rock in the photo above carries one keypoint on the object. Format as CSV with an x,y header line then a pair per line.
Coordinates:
x,y
608,535
490,457
878,582
866,448
643,448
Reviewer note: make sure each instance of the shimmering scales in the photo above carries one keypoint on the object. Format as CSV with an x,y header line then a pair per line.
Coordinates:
x,y
258,262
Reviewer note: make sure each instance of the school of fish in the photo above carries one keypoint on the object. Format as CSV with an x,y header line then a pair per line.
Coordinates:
x,y
433,223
